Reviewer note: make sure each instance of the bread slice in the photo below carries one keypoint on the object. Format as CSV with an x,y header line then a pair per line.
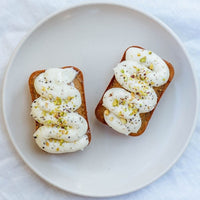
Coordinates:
x,y
78,83
145,117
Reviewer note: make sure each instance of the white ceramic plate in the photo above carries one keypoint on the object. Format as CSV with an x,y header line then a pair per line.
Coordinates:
x,y
93,37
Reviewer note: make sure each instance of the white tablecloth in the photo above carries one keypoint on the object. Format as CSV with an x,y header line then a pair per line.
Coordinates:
x,y
17,181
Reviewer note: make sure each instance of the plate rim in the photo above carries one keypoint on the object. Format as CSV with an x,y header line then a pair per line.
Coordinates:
x,y
75,5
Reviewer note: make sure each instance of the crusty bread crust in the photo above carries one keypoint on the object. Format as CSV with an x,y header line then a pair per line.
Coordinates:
x,y
145,117
78,83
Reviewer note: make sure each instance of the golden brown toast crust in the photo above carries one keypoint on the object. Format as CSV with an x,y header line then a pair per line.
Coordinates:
x,y
145,117
78,83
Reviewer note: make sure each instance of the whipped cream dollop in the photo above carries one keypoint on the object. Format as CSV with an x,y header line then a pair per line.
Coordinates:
x,y
138,74
63,129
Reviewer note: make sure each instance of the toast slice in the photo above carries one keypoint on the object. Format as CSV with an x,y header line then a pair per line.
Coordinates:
x,y
78,83
145,117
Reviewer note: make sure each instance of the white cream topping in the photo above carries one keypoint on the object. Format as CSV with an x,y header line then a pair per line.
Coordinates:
x,y
63,129
139,73
56,83
58,140
159,73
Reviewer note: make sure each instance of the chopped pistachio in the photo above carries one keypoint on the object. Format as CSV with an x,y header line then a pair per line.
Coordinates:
x,y
43,89
120,114
111,118
150,52
151,66
115,102
152,83
143,59
69,98
60,120
132,95
123,121
134,111
142,78
44,112
56,109
61,142
51,113
138,54
125,109
131,105
122,71
123,102
126,79
57,149
62,114
163,79
49,122
58,101
66,101
66,132
143,93
106,112
56,115
64,122
50,96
